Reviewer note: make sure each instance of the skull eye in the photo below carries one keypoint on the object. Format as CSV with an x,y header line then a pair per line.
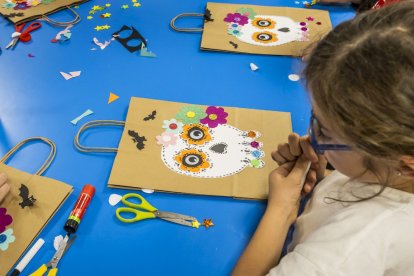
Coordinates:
x,y
264,37
263,23
192,160
196,134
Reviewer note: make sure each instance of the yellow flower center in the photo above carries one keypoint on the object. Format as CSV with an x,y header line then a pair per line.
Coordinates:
x,y
190,114
212,117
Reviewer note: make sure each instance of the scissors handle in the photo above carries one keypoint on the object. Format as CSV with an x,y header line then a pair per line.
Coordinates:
x,y
33,26
138,215
40,271
143,204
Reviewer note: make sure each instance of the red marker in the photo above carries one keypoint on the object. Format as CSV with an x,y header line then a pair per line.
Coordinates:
x,y
79,210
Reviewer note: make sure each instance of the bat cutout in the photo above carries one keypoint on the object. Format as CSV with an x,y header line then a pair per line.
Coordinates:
x,y
24,194
14,14
151,116
137,139
207,16
234,44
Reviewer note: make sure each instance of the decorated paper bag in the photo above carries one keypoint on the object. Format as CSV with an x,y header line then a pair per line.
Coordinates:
x,y
259,29
23,11
195,149
27,208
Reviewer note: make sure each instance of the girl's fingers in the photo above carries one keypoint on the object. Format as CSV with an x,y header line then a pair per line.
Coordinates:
x,y
4,189
294,145
307,149
284,151
278,158
3,179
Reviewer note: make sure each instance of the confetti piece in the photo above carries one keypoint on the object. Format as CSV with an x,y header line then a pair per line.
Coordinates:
x,y
195,224
310,18
102,27
63,35
253,67
137,5
114,199
70,75
89,17
102,45
133,1
107,5
106,15
208,223
294,77
124,7
30,56
56,242
145,53
84,114
112,97
297,2
148,191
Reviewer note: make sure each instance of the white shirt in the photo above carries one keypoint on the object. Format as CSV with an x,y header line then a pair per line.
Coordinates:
x,y
373,237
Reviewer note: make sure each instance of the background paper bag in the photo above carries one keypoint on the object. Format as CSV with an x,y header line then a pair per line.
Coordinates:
x,y
27,221
178,147
259,29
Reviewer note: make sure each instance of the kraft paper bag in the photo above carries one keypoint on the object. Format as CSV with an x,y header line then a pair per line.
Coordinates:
x,y
28,206
20,12
256,29
195,149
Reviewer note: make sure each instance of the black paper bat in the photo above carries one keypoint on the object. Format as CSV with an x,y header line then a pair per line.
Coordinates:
x,y
137,139
234,44
207,16
14,14
151,116
24,194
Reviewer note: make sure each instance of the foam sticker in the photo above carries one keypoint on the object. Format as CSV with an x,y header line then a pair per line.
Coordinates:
x,y
135,35
294,77
114,199
80,117
56,242
27,199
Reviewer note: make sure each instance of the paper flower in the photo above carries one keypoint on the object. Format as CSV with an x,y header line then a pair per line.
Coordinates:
x,y
256,163
190,114
8,5
5,219
166,139
196,134
172,126
247,12
234,30
264,37
6,238
263,23
236,18
215,116
21,6
192,160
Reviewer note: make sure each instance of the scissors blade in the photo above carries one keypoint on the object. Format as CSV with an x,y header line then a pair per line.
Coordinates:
x,y
12,43
171,215
179,221
63,247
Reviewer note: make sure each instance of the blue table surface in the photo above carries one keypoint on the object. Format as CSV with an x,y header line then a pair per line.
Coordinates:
x,y
36,101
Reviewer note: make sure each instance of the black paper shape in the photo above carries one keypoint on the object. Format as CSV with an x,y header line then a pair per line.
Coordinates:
x,y
24,194
137,139
134,35
151,116
14,14
234,44
207,16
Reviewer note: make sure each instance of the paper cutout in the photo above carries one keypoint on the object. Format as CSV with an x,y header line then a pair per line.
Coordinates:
x,y
102,27
6,238
24,194
234,44
89,17
151,116
148,191
124,7
5,219
145,53
139,140
137,5
134,35
195,224
206,146
70,75
112,97
84,114
56,241
30,55
13,14
63,36
114,199
253,67
208,223
106,15
294,77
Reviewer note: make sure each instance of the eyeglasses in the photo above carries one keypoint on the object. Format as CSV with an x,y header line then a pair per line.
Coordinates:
x,y
314,130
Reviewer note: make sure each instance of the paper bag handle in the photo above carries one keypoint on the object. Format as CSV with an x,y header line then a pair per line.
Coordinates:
x,y
63,24
188,30
49,159
91,124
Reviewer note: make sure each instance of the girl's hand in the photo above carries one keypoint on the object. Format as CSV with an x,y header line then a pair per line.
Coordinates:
x,y
4,186
290,152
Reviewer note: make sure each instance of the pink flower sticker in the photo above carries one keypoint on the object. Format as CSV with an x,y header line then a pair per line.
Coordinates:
x,y
166,139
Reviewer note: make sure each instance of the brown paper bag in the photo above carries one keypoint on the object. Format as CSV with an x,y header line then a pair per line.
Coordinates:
x,y
178,147
255,29
29,205
21,11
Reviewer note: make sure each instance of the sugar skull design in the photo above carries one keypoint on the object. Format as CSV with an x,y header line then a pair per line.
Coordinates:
x,y
200,143
265,30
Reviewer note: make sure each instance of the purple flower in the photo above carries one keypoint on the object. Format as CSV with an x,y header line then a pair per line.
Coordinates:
x,y
236,18
4,219
21,6
215,116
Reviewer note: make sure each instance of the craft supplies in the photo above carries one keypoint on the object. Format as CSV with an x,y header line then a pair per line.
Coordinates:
x,y
79,210
28,257
23,35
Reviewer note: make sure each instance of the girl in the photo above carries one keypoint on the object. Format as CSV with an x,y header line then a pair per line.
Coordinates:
x,y
360,219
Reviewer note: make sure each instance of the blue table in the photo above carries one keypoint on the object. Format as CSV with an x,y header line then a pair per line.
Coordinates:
x,y
36,101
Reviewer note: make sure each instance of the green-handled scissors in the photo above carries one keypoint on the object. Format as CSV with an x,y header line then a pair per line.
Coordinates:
x,y
144,210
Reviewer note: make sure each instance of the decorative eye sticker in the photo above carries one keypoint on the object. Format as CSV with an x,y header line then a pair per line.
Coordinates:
x,y
264,23
192,160
196,134
264,37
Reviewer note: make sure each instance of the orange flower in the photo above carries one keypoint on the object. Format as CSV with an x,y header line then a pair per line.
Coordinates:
x,y
196,134
263,23
192,160
264,37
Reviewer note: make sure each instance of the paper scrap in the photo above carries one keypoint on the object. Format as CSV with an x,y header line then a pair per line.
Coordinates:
x,y
84,114
70,75
148,191
112,97
114,199
294,77
103,45
145,53
63,36
253,67
57,241
30,55
208,223
102,27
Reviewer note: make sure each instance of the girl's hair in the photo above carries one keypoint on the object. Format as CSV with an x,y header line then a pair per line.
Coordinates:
x,y
361,76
